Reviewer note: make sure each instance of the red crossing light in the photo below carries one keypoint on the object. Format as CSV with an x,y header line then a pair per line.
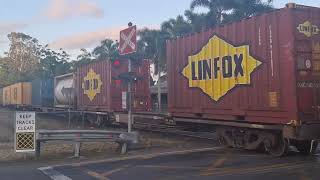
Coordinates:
x,y
116,62
118,82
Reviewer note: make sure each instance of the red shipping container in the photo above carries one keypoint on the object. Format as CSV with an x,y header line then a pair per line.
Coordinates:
x,y
264,70
100,89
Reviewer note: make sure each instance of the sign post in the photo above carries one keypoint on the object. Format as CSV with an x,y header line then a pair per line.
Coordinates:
x,y
128,45
25,132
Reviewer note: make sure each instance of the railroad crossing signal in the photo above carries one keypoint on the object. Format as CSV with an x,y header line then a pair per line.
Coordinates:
x,y
128,40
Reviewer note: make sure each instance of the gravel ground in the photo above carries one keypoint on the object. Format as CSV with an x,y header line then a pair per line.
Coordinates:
x,y
149,142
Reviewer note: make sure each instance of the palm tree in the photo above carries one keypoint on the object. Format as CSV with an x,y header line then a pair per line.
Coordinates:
x,y
152,43
247,8
85,57
217,9
198,21
223,11
176,27
108,49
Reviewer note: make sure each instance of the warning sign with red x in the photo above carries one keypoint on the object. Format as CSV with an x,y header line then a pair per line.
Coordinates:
x,y
128,40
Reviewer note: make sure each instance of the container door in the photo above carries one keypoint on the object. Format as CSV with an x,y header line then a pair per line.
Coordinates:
x,y
308,84
308,63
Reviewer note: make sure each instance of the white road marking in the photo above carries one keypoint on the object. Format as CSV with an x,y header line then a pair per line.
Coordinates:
x,y
53,174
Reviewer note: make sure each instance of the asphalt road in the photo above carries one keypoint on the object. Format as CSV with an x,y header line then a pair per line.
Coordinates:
x,y
222,164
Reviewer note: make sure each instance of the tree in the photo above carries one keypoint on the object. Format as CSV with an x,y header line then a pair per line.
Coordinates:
x,y
224,11
84,58
152,43
217,9
53,63
176,27
27,59
198,21
6,78
247,8
107,49
22,58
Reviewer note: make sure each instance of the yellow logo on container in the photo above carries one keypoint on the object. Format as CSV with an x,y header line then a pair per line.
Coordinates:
x,y
308,29
91,84
219,67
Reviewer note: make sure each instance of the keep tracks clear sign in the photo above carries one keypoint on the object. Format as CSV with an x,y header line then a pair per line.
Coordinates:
x,y
25,130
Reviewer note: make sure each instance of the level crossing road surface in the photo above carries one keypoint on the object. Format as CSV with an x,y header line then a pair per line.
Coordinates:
x,y
219,163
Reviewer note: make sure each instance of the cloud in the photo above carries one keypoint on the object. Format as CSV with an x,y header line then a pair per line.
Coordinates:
x,y
2,41
87,39
10,27
90,39
64,9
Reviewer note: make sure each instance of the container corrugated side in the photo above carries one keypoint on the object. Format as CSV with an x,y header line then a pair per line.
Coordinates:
x,y
267,94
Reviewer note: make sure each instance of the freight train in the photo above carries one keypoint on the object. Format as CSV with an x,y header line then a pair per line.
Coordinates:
x,y
256,80
96,89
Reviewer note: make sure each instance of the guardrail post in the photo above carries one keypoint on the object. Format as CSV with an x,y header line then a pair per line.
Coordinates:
x,y
77,149
124,147
82,116
38,148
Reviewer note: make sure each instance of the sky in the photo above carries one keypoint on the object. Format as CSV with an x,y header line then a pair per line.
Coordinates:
x,y
76,24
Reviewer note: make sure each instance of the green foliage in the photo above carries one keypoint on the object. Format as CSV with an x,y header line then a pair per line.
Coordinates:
x,y
108,49
20,62
27,59
246,8
176,27
224,11
198,21
152,44
53,63
84,58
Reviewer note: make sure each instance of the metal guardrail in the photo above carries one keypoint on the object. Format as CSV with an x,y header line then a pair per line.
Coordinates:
x,y
78,136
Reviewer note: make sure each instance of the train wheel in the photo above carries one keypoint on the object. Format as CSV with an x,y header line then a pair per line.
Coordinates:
x,y
305,147
278,147
223,142
223,138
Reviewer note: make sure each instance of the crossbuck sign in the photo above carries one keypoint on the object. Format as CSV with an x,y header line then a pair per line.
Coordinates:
x,y
128,40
